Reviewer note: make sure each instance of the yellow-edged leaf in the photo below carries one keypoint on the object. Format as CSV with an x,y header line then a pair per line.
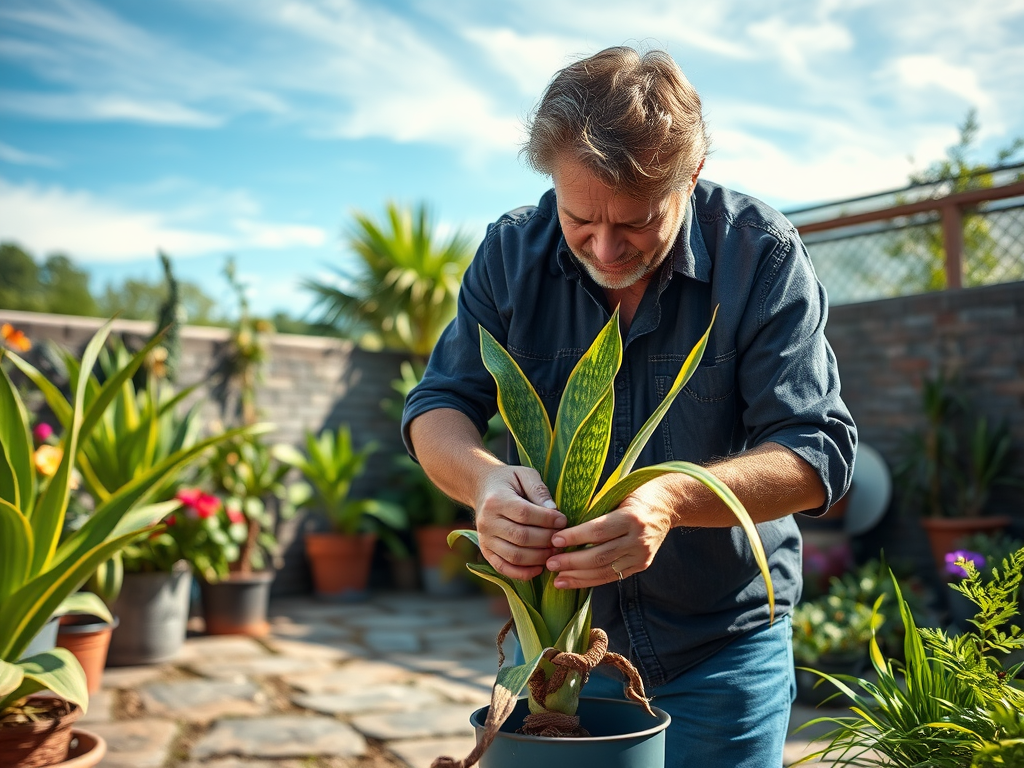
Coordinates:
x,y
17,475
518,403
557,606
533,634
16,535
85,603
613,496
58,670
588,383
11,676
641,438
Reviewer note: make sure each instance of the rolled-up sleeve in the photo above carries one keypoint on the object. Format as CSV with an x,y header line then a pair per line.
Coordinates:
x,y
789,375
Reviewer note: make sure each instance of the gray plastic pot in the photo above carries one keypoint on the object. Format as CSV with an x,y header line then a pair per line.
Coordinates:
x,y
153,613
623,735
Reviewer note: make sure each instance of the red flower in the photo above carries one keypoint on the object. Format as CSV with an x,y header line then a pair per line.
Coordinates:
x,y
197,503
235,514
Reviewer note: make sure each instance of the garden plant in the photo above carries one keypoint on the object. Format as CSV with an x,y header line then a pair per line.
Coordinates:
x,y
952,703
553,625
39,572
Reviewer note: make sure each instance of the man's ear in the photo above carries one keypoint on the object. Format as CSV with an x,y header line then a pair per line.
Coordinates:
x,y
693,179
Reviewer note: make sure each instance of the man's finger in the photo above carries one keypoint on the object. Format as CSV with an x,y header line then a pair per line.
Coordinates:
x,y
592,532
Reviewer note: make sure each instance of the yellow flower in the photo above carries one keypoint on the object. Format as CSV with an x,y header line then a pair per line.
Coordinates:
x,y
47,459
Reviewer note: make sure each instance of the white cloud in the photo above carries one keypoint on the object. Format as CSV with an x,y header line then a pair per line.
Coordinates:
x,y
528,60
15,156
94,229
931,71
798,45
82,107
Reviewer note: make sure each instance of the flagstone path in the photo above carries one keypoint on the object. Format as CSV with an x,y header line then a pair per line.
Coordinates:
x,y
388,682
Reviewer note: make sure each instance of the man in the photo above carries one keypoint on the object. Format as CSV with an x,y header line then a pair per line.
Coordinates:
x,y
630,224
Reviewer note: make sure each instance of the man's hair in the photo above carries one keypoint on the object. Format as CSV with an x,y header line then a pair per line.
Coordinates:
x,y
631,119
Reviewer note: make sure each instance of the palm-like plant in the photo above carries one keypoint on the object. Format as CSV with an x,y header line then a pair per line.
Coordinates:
x,y
39,572
554,625
402,294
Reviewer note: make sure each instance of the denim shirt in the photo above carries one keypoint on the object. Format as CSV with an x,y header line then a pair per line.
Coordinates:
x,y
767,375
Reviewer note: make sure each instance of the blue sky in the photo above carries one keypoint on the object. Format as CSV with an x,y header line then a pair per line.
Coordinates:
x,y
256,127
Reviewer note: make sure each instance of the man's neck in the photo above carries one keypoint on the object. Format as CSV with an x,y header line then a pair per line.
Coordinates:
x,y
627,300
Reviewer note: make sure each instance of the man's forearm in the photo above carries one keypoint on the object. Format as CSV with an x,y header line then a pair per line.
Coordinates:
x,y
771,481
451,452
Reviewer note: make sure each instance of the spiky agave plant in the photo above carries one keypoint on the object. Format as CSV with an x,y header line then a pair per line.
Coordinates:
x,y
570,457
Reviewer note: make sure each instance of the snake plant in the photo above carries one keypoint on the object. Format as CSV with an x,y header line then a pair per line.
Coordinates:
x,y
570,457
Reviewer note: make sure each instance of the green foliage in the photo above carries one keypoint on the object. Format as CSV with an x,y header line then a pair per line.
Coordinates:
x,y
56,285
248,473
39,572
950,466
330,465
248,351
570,457
924,248
951,703
402,293
831,626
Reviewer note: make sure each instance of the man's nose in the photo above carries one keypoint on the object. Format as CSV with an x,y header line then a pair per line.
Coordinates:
x,y
607,245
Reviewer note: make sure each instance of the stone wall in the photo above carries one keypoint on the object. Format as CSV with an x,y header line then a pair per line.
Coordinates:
x,y
309,383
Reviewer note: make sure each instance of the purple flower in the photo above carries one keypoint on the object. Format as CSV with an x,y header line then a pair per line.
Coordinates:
x,y
42,432
955,570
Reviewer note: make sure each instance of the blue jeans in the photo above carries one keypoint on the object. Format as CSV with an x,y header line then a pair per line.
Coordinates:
x,y
730,711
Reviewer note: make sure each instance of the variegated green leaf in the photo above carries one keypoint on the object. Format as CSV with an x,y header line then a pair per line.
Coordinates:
x,y
585,460
518,403
17,475
588,383
515,679
48,516
58,670
557,606
530,628
525,589
641,438
25,612
575,638
16,535
11,676
84,603
614,496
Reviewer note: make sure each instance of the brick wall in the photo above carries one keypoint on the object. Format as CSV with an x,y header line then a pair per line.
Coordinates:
x,y
886,348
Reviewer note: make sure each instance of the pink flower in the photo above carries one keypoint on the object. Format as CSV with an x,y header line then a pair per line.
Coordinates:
x,y
197,503
42,432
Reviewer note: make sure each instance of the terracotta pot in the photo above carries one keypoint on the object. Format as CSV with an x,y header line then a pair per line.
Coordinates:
x,y
87,749
89,639
441,567
45,742
237,605
945,532
340,564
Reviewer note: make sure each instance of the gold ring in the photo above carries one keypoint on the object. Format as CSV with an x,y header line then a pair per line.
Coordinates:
x,y
616,570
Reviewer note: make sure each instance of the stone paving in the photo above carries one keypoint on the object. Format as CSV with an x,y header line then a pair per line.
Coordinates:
x,y
388,682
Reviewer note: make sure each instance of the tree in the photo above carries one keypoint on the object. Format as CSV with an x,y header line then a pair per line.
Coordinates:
x,y
402,293
922,249
56,285
136,299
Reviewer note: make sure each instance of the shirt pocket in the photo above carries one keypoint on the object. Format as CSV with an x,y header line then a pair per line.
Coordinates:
x,y
701,422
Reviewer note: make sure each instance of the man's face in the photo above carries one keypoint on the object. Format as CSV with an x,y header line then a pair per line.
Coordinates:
x,y
617,239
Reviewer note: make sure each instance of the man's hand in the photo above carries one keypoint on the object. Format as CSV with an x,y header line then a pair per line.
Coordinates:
x,y
515,518
624,541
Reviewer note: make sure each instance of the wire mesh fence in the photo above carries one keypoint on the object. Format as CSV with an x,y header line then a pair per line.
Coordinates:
x,y
905,253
